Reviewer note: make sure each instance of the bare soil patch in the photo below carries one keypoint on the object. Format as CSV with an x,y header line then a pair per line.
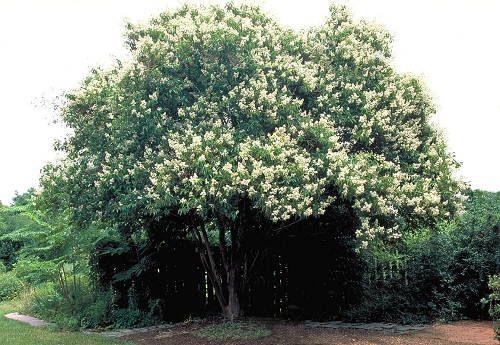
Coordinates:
x,y
286,333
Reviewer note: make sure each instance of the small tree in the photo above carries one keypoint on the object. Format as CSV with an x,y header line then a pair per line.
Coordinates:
x,y
493,299
226,128
12,218
46,250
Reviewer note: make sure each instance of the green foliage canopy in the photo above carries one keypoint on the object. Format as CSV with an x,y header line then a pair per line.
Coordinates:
x,y
14,220
217,104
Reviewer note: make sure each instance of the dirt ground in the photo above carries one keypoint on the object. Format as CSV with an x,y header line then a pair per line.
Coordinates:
x,y
458,333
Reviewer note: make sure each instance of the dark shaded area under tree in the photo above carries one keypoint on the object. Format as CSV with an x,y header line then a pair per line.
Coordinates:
x,y
311,272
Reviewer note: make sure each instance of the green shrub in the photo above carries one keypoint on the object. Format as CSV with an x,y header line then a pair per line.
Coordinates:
x,y
493,300
3,269
70,306
76,291
410,282
436,273
46,302
82,307
134,317
101,313
34,271
10,286
126,318
98,313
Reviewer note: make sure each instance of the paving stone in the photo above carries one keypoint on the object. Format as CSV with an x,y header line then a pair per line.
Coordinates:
x,y
123,332
33,321
375,326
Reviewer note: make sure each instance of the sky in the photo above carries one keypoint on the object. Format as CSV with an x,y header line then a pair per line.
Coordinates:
x,y
48,46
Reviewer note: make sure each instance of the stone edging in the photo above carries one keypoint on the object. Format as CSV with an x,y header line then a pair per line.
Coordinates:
x,y
117,333
376,326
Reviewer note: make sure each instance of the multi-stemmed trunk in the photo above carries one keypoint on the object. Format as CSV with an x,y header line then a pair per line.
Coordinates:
x,y
230,276
226,276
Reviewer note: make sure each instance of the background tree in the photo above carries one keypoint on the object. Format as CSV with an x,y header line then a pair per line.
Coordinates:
x,y
475,250
12,218
48,261
226,128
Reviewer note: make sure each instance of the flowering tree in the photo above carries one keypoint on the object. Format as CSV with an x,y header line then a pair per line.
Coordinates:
x,y
225,127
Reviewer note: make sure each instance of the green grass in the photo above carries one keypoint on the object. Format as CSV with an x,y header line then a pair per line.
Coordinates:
x,y
14,332
234,331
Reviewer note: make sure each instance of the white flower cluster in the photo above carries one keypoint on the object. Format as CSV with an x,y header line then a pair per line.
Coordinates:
x,y
222,103
282,178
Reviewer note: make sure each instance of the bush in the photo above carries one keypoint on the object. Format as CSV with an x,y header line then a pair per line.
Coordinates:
x,y
76,305
436,273
10,286
134,317
409,282
34,271
494,302
98,313
46,302
101,313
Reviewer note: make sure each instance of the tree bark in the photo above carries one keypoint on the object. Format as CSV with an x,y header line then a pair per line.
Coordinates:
x,y
233,308
226,290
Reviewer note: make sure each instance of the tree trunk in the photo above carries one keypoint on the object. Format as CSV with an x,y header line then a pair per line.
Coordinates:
x,y
226,290
230,276
232,309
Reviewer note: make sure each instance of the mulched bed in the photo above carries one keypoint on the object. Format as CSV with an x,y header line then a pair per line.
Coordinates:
x,y
289,333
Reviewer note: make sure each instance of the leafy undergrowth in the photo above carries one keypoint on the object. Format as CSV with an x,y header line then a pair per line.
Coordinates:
x,y
15,332
237,330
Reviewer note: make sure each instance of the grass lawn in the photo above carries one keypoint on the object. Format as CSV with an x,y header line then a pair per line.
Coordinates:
x,y
14,332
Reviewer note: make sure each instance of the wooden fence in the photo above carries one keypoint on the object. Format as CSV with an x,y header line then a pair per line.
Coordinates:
x,y
314,276
386,268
